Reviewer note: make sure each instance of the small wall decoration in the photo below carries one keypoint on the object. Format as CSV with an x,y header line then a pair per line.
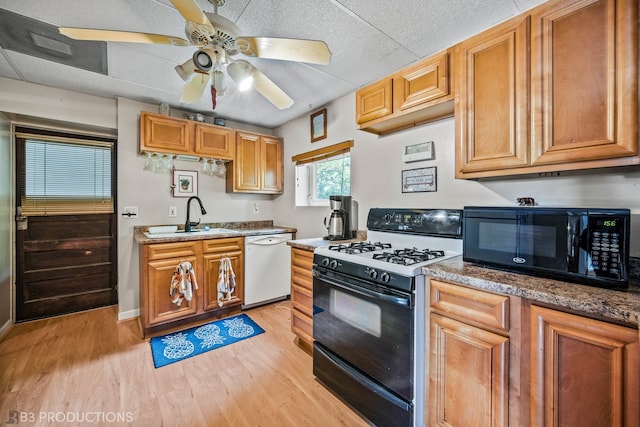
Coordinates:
x,y
419,180
185,183
319,125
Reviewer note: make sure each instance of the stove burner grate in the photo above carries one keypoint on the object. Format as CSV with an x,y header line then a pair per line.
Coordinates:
x,y
408,256
359,247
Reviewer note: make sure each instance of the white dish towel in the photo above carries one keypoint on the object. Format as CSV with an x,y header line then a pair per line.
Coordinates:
x,y
226,281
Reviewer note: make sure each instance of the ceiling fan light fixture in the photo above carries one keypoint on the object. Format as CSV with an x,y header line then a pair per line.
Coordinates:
x,y
202,60
242,73
186,70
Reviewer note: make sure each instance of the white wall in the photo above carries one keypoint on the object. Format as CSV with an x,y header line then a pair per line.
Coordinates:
x,y
377,165
151,193
6,226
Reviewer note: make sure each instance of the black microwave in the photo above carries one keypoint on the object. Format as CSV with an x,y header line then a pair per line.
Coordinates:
x,y
588,246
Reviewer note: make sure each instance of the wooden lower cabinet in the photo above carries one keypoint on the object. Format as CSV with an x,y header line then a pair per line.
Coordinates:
x,y
469,361
157,264
498,360
584,372
302,296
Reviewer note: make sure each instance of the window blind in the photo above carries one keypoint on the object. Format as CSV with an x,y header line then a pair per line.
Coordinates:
x,y
66,176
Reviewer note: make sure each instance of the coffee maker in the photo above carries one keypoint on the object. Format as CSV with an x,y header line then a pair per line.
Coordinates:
x,y
342,223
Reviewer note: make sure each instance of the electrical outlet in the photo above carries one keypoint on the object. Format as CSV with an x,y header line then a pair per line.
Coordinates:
x,y
173,212
130,212
256,209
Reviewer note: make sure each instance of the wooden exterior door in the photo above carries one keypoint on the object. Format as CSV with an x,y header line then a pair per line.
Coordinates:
x,y
64,263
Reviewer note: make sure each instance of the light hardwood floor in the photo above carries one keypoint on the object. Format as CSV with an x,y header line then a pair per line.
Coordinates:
x,y
89,365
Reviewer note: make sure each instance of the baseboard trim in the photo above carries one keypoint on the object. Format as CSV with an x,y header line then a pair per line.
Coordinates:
x,y
4,330
126,315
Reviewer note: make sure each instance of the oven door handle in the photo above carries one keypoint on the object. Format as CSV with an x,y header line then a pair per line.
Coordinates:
x,y
394,299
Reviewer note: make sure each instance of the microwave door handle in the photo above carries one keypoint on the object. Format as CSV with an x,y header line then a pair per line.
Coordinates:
x,y
572,243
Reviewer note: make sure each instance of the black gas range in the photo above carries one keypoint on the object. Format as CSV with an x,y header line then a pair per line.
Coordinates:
x,y
369,311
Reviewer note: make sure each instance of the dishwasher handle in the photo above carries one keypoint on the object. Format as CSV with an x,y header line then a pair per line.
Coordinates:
x,y
268,241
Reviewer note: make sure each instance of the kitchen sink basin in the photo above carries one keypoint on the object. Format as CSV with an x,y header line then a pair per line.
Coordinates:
x,y
196,232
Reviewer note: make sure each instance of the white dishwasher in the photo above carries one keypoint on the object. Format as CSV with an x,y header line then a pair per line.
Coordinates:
x,y
267,268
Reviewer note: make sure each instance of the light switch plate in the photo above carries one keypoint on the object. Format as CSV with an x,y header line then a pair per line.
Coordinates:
x,y
130,212
173,211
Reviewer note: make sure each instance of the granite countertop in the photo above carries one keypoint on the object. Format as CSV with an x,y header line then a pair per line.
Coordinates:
x,y
238,229
610,305
317,242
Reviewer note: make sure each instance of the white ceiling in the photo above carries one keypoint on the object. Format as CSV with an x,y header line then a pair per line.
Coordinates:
x,y
369,39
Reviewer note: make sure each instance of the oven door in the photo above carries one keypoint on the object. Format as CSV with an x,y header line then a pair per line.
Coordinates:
x,y
368,326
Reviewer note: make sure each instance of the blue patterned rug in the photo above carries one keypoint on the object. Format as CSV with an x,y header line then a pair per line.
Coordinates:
x,y
181,345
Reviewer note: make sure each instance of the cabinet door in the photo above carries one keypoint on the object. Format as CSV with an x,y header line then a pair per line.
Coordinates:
x,y
584,89
492,85
214,141
213,251
159,307
374,101
469,375
584,372
272,165
246,165
423,82
164,134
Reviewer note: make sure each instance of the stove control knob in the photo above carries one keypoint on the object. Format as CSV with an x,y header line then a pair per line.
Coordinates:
x,y
373,274
325,262
333,264
385,277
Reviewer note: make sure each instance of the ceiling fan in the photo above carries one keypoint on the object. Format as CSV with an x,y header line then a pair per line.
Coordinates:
x,y
218,41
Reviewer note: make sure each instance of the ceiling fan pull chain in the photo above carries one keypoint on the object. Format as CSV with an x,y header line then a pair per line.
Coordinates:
x,y
213,97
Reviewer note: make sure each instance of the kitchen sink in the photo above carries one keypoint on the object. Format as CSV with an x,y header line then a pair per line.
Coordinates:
x,y
196,232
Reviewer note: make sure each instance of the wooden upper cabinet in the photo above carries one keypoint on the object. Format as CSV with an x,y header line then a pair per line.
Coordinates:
x,y
422,82
164,134
584,372
584,83
214,141
272,165
246,165
414,95
374,101
258,165
492,85
571,103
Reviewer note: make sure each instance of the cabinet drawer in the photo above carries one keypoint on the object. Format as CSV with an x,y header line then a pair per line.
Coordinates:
x,y
302,299
302,258
470,305
171,250
302,325
223,245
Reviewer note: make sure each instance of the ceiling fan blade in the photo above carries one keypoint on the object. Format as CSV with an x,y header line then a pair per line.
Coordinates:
x,y
120,36
191,11
269,90
311,51
194,89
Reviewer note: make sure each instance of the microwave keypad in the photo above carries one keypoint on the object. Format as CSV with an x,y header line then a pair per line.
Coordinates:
x,y
605,253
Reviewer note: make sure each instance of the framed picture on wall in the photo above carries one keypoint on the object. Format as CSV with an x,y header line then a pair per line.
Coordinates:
x,y
319,125
185,183
419,180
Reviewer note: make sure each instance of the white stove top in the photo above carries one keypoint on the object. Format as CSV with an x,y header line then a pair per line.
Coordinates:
x,y
393,242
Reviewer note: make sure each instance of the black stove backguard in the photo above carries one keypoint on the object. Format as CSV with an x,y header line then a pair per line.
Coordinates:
x,y
427,222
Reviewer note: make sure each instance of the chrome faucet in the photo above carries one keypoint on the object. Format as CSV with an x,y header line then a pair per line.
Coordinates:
x,y
189,224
